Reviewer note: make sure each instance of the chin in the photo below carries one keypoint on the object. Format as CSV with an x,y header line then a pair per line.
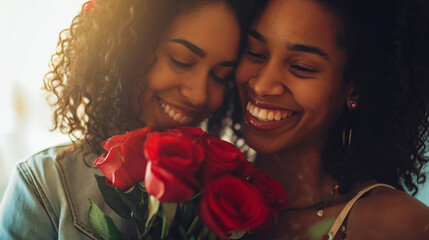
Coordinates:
x,y
261,144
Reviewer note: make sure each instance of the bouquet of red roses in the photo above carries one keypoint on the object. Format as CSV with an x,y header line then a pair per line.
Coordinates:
x,y
182,183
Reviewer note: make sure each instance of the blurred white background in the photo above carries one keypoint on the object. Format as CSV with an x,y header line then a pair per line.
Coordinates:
x,y
28,35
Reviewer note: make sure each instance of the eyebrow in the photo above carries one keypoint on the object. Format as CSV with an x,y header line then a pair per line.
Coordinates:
x,y
201,53
307,49
293,47
255,34
192,47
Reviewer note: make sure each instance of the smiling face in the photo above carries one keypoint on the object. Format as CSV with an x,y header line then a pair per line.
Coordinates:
x,y
290,77
187,81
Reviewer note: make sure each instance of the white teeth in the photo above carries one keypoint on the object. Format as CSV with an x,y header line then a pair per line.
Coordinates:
x,y
171,114
178,117
255,111
267,114
277,116
270,115
262,114
183,120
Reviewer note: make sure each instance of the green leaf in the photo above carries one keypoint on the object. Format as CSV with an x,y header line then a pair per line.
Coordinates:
x,y
186,213
153,208
182,232
112,198
132,201
102,225
124,237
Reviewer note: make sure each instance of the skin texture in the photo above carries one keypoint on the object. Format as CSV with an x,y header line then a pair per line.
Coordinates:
x,y
190,82
277,75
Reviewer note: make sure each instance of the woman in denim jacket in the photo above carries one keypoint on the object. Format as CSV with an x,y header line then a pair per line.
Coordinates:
x,y
121,65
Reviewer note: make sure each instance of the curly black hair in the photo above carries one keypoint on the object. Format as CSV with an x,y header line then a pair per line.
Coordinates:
x,y
387,46
102,56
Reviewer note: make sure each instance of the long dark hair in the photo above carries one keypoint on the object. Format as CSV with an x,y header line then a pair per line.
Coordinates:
x,y
101,57
387,48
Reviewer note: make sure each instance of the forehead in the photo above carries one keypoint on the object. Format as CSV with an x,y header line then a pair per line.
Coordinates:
x,y
299,21
213,24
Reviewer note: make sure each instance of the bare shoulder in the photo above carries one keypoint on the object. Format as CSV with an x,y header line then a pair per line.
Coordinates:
x,y
389,214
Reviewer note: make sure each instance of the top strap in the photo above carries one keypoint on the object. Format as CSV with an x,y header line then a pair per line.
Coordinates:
x,y
343,214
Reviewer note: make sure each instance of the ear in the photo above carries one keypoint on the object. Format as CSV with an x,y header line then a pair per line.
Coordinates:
x,y
352,96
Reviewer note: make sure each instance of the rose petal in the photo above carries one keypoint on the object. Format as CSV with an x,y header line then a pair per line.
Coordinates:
x,y
165,186
229,203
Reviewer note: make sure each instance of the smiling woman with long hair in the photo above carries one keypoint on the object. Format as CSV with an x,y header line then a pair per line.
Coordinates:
x,y
121,65
335,98
99,73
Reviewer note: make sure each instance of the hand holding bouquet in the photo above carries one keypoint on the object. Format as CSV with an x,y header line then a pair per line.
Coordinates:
x,y
183,184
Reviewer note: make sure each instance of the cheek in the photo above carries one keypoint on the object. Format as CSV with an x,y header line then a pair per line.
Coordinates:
x,y
161,77
314,94
322,105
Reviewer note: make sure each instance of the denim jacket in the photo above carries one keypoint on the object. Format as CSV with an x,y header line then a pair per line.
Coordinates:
x,y
47,197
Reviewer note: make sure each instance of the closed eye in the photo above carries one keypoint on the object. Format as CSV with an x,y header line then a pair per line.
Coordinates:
x,y
303,69
180,64
256,55
217,78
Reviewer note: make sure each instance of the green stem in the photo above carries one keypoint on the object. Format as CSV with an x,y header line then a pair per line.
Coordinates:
x,y
146,231
139,234
193,225
164,226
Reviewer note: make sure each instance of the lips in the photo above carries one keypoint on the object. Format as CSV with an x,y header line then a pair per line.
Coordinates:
x,y
175,114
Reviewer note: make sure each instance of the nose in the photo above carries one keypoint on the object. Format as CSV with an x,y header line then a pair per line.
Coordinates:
x,y
268,80
195,90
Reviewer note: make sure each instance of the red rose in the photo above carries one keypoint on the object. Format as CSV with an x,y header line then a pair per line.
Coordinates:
x,y
192,132
245,170
125,164
229,203
221,158
272,191
173,162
